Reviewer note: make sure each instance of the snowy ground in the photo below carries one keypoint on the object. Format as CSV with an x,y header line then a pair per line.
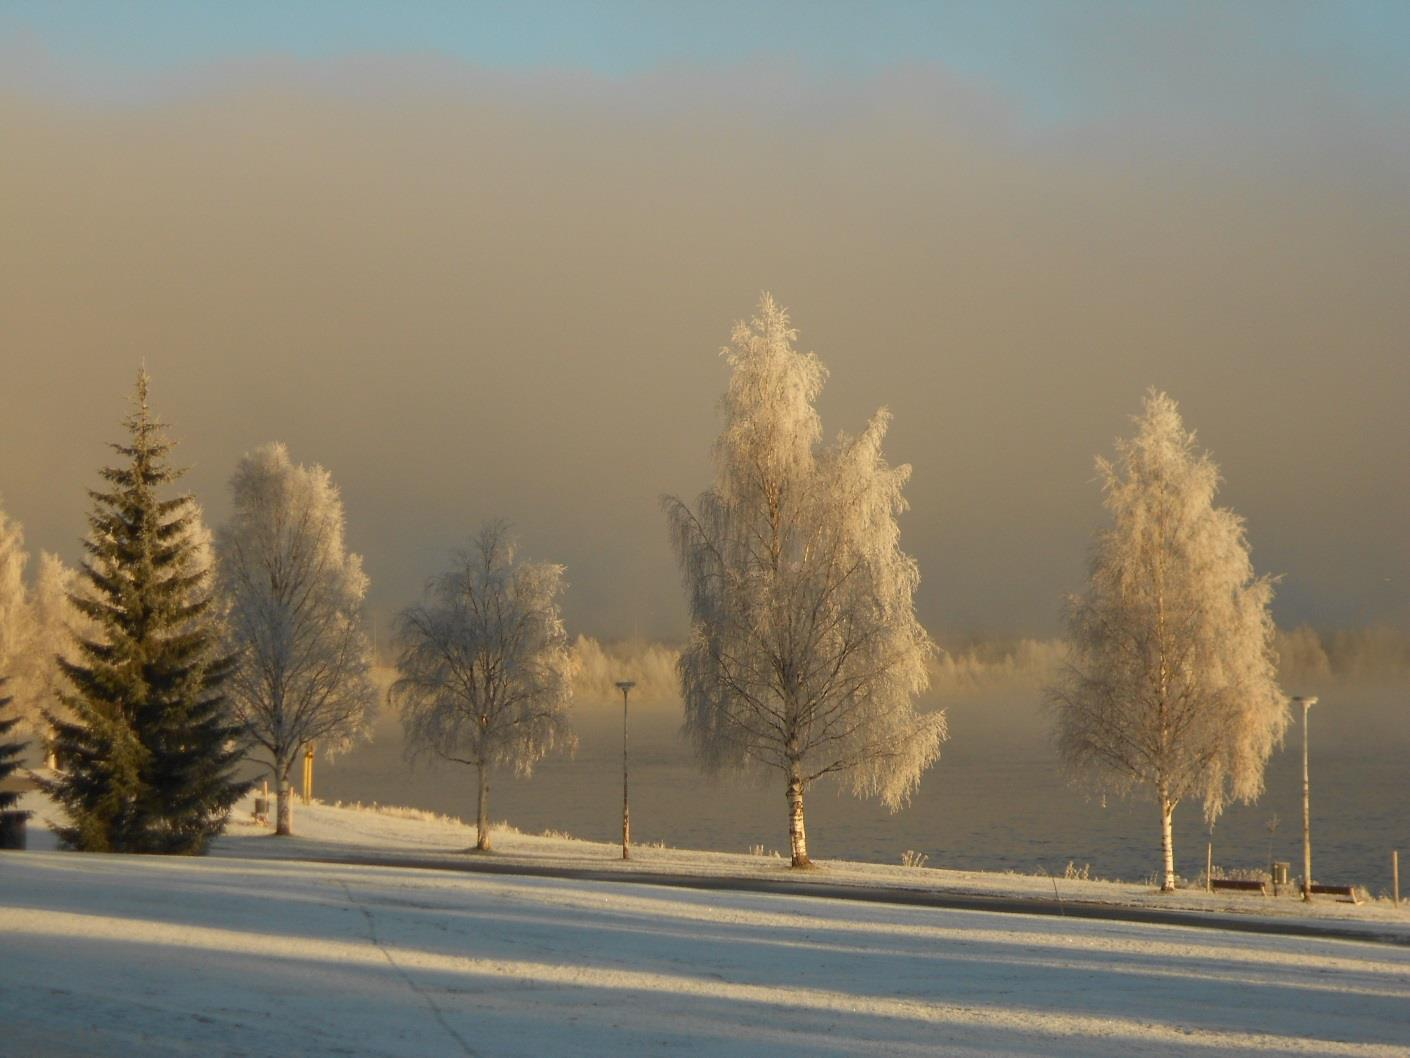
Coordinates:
x,y
126,955
240,954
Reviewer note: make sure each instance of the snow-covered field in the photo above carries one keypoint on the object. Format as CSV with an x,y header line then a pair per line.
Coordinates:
x,y
242,954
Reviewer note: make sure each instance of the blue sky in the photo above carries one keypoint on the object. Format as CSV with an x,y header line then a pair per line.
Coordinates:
x,y
1051,59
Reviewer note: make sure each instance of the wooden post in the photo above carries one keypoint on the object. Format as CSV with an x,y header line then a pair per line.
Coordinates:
x,y
308,774
1395,876
1209,867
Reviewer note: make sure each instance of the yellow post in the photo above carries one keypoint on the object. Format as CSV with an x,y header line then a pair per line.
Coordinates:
x,y
308,774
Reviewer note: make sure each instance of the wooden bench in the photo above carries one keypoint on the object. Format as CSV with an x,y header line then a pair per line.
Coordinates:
x,y
1346,892
1240,885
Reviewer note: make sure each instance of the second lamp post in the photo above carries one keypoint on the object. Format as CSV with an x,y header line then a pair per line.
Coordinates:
x,y
625,687
1306,703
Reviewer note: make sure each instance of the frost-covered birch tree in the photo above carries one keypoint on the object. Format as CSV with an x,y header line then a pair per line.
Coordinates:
x,y
294,595
18,632
1171,680
58,623
38,626
485,670
805,655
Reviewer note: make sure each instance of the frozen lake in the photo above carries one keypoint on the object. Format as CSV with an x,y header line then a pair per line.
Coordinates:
x,y
996,800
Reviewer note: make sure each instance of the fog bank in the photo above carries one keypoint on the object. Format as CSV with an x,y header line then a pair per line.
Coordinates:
x,y
476,294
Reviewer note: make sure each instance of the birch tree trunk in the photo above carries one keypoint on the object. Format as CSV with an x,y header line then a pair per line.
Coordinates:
x,y
1167,844
797,835
482,811
284,800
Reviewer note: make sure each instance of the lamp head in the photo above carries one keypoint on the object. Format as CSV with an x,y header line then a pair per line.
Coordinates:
x,y
625,685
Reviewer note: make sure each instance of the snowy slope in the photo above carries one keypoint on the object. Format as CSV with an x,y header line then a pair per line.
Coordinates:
x,y
117,955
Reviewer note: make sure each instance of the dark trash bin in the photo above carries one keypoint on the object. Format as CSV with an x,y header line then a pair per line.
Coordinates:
x,y
12,829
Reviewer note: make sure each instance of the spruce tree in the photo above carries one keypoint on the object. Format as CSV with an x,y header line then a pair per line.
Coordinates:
x,y
148,754
10,816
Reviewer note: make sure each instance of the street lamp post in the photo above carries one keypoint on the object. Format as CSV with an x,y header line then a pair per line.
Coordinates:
x,y
625,687
1307,703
